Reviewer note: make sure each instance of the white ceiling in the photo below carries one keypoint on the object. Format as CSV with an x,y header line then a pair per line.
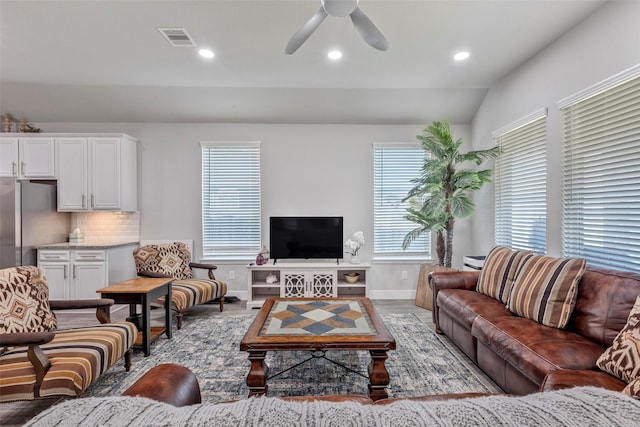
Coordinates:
x,y
104,61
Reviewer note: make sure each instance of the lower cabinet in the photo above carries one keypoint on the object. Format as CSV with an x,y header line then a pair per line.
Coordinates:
x,y
302,280
78,273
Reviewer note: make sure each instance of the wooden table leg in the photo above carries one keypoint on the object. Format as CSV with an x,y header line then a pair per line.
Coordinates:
x,y
257,376
146,325
378,375
167,312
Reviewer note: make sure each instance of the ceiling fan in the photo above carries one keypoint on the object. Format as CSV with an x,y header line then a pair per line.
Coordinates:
x,y
367,30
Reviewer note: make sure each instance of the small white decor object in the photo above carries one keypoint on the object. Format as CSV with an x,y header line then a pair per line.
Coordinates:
x,y
354,244
271,278
76,236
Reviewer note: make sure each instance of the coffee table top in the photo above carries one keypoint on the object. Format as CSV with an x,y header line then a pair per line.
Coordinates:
x,y
318,324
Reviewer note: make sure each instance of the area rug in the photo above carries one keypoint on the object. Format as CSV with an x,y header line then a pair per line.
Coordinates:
x,y
423,363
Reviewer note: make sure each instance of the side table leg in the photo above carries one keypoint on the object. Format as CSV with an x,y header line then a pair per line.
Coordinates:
x,y
167,312
378,375
146,325
257,376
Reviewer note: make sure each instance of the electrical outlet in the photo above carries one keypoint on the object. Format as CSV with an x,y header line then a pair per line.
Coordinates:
x,y
232,275
404,274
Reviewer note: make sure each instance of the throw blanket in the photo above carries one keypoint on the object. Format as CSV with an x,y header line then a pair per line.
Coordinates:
x,y
586,406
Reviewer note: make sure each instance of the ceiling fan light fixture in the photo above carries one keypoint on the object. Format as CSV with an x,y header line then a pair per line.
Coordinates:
x,y
461,56
334,54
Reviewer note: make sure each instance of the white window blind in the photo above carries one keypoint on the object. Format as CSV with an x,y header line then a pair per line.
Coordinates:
x,y
394,166
521,185
601,175
231,200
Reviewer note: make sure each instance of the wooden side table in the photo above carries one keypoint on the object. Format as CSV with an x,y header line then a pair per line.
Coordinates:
x,y
424,294
143,291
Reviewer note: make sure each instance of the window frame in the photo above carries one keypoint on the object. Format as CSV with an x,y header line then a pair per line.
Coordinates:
x,y
399,254
249,196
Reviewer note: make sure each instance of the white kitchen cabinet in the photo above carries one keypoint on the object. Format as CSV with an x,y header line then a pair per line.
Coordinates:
x,y
304,280
30,157
97,173
73,274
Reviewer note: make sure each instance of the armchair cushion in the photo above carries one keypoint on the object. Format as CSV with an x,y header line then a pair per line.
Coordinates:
x,y
78,357
24,301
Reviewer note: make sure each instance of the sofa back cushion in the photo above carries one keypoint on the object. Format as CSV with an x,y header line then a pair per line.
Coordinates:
x,y
168,258
545,289
499,272
24,301
605,299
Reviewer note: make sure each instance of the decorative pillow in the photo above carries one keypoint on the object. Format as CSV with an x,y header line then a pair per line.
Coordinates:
x,y
633,388
24,301
168,258
499,272
622,359
545,289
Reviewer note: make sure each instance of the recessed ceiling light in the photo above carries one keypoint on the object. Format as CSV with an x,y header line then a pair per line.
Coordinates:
x,y
334,54
206,53
461,56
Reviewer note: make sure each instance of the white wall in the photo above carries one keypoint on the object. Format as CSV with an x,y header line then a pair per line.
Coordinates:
x,y
604,45
306,170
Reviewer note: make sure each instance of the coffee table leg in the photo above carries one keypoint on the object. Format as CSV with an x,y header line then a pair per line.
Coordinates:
x,y
146,325
257,376
378,375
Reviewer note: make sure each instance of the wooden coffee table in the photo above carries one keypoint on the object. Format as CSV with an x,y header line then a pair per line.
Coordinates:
x,y
143,291
318,325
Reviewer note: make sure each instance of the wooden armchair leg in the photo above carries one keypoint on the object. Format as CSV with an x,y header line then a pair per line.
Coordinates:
x,y
179,319
221,303
127,360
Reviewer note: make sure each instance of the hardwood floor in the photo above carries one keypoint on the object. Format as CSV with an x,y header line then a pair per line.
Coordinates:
x,y
17,413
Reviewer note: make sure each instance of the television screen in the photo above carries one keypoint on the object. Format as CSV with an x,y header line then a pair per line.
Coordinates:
x,y
305,237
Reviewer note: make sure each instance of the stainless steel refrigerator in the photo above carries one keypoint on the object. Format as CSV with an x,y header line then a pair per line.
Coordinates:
x,y
28,218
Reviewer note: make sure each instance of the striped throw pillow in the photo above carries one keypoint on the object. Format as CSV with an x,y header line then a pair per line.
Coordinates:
x,y
499,272
622,359
545,289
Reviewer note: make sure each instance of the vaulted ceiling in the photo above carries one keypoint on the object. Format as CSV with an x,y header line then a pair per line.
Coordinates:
x,y
105,61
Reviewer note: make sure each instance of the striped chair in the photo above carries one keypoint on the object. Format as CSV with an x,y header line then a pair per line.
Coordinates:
x,y
38,361
174,260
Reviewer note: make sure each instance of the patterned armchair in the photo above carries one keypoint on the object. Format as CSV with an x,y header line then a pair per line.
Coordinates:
x,y
174,260
36,360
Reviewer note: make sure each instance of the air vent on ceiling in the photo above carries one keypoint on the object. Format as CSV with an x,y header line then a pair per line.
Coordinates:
x,y
177,37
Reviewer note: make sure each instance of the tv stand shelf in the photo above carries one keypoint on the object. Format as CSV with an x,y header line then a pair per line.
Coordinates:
x,y
305,279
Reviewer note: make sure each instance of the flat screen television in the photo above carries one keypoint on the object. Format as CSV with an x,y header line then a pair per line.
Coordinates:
x,y
305,237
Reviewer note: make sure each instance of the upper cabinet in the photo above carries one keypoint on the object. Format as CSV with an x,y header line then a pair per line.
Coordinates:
x,y
27,157
97,173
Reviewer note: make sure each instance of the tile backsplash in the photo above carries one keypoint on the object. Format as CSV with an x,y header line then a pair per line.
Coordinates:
x,y
107,226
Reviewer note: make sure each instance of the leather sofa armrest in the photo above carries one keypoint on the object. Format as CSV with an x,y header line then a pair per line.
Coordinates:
x,y
209,267
568,378
169,383
153,274
103,313
439,280
25,338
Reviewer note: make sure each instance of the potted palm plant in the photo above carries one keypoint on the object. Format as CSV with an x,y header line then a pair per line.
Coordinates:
x,y
443,191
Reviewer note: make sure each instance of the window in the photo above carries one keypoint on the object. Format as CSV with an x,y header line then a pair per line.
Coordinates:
x,y
601,173
521,184
394,166
231,199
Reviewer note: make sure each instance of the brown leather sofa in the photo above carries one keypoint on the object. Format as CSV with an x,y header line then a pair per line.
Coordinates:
x,y
523,356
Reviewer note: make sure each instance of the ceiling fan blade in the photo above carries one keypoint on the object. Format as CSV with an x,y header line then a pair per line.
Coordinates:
x,y
367,30
303,33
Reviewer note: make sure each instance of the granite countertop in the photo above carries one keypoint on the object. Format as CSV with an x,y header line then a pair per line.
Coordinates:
x,y
91,244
